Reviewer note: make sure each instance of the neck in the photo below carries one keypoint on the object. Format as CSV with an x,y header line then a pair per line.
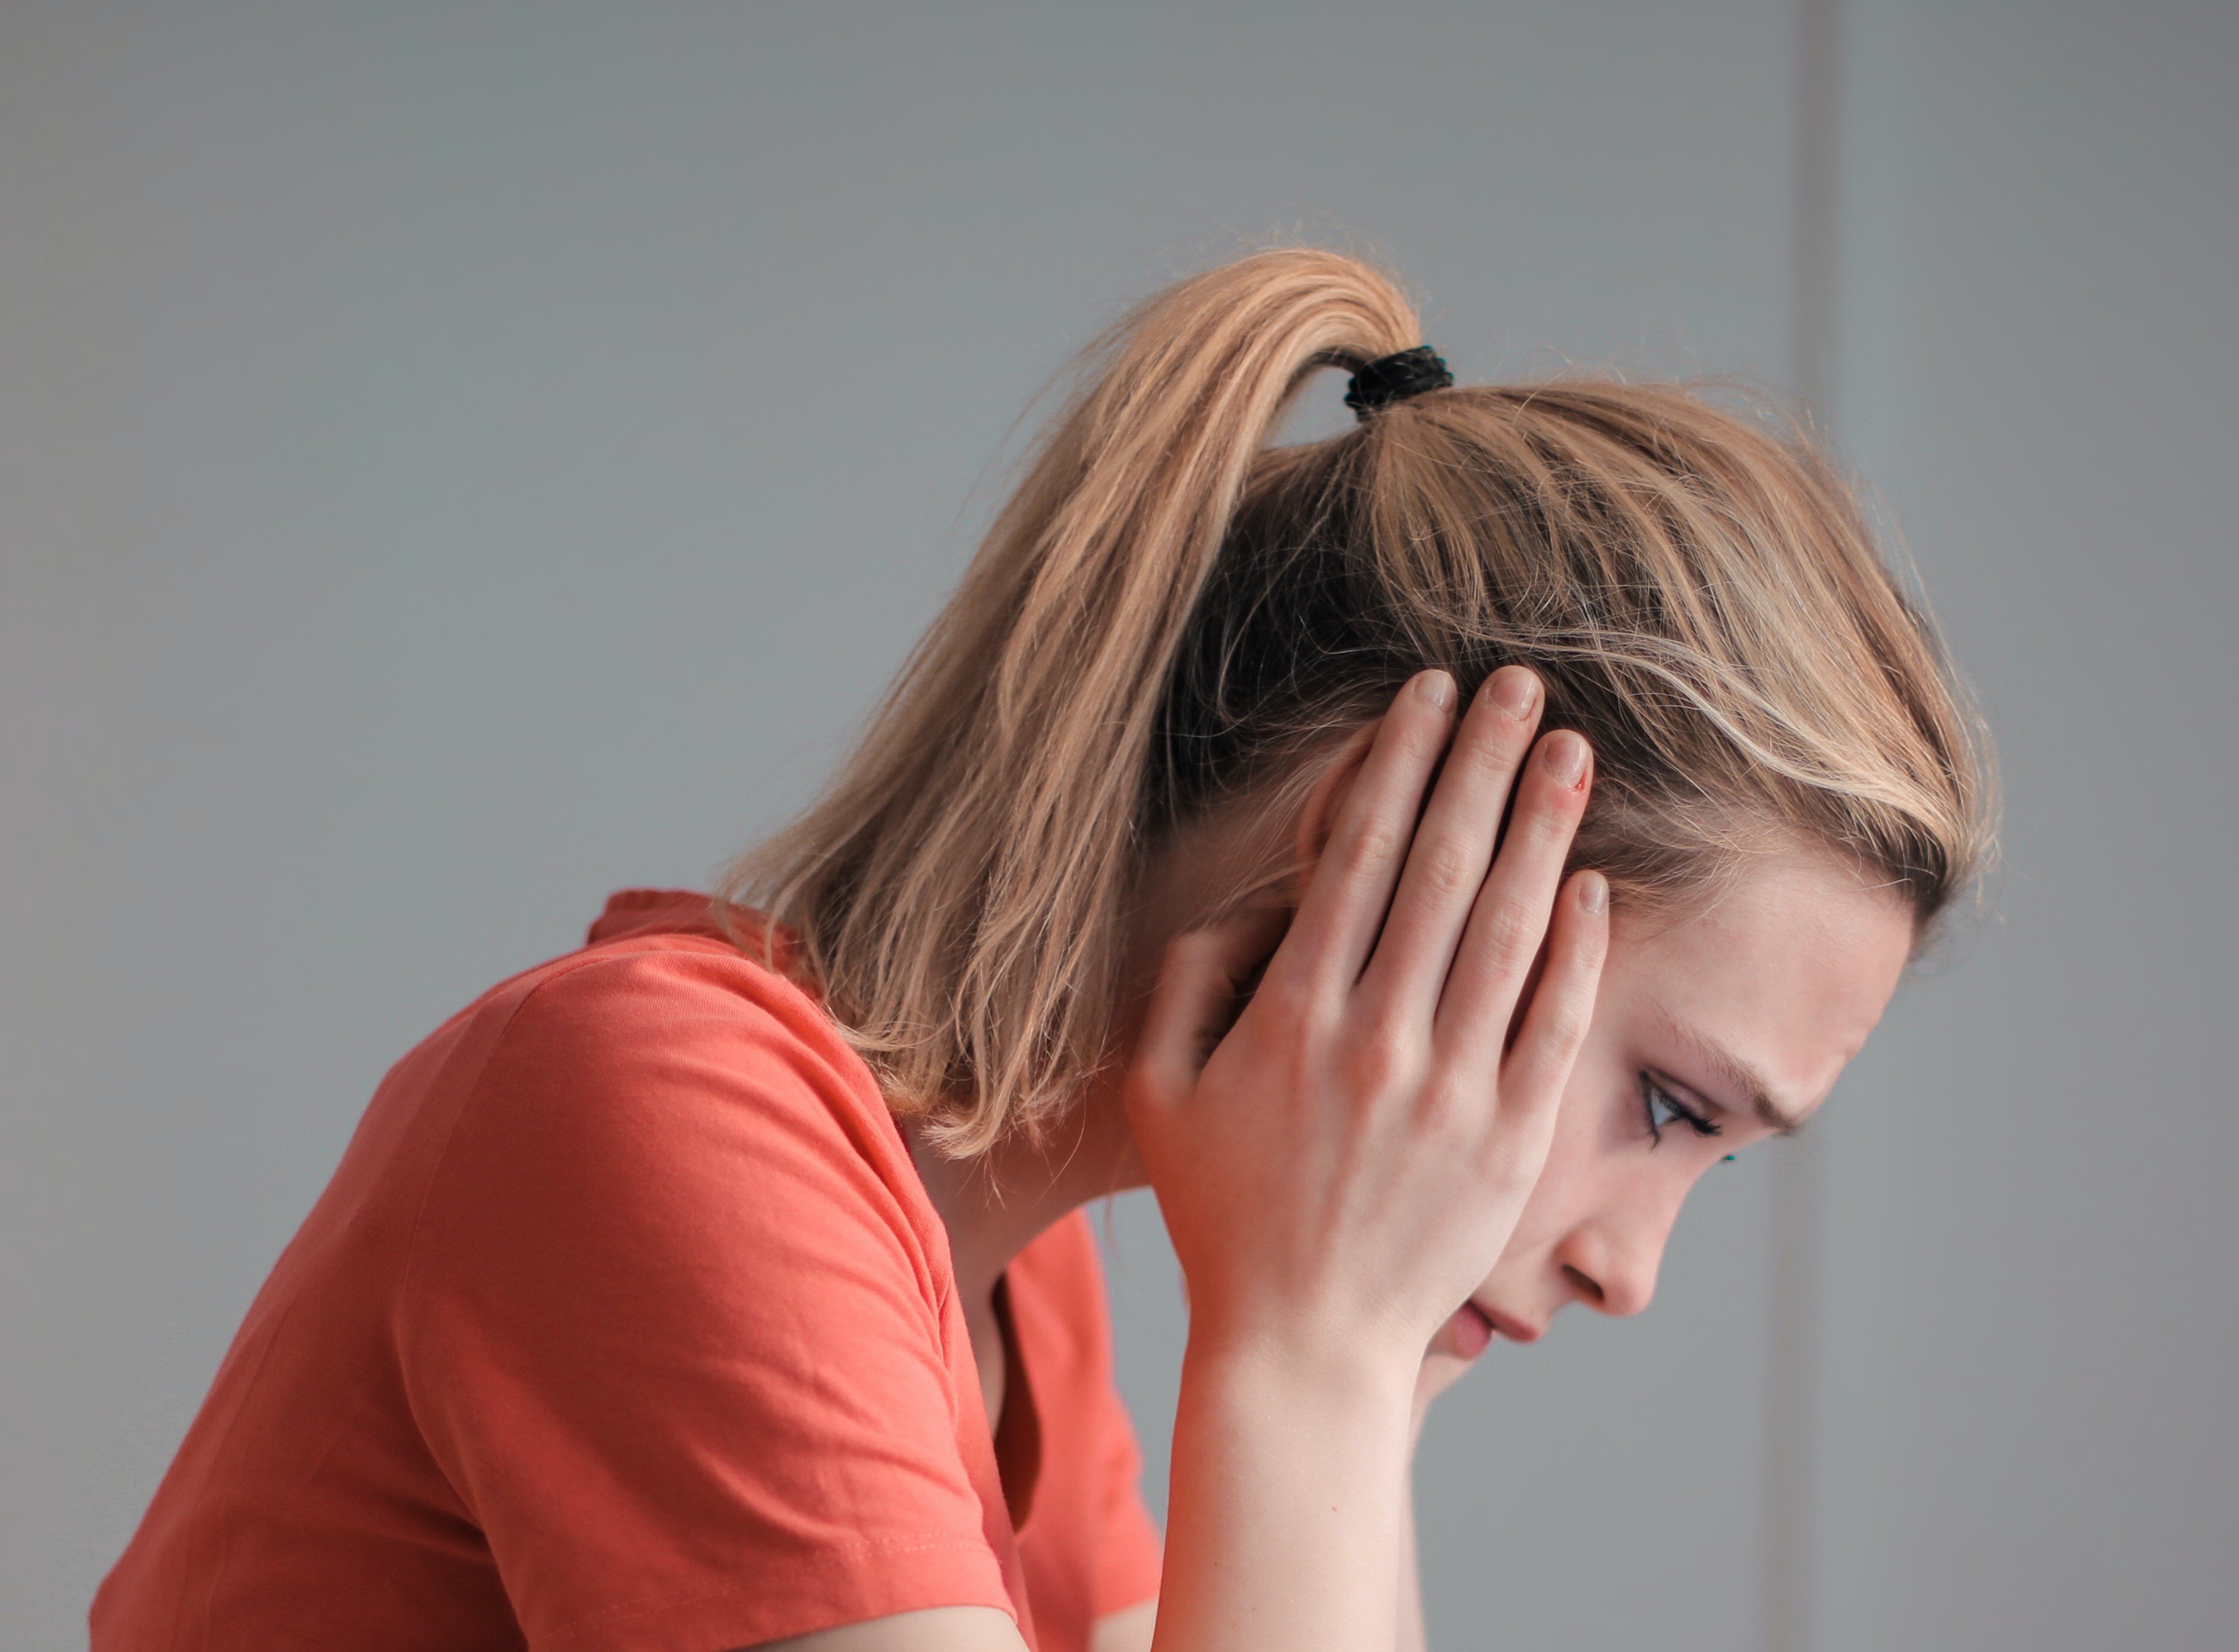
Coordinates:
x,y
996,1204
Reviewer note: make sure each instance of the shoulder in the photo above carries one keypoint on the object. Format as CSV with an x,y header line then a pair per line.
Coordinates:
x,y
669,1018
663,962
668,1072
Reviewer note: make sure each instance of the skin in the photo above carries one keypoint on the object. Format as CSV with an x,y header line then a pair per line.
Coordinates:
x,y
1426,1129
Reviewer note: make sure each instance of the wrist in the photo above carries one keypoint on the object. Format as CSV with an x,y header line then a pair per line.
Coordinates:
x,y
1288,1496
1337,1373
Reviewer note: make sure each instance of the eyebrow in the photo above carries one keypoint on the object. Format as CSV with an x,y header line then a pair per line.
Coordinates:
x,y
1739,1075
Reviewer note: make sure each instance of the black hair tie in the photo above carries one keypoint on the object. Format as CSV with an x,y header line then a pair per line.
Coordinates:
x,y
1394,378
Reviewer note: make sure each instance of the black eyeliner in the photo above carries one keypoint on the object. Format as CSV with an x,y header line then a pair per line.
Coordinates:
x,y
1652,1087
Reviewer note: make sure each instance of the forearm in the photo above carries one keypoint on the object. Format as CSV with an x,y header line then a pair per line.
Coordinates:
x,y
1286,1507
1411,1635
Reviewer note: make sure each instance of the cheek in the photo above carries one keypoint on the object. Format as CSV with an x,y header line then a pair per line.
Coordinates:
x,y
1595,1131
1582,1164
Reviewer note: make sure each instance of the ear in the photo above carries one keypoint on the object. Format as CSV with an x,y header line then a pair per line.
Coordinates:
x,y
1318,813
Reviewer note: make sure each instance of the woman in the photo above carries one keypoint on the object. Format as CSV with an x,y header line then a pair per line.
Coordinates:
x,y
1417,854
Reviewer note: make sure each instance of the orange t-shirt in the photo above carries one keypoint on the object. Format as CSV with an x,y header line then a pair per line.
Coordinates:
x,y
626,1323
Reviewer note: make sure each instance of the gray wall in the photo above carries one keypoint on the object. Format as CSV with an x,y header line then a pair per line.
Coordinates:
x,y
2031,1324
455,461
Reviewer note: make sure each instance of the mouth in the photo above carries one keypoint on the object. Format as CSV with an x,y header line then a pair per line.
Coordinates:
x,y
1502,1325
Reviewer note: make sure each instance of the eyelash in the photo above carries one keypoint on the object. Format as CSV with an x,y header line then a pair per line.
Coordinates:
x,y
1652,1093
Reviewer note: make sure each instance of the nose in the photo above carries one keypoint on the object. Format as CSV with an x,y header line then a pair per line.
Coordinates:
x,y
1611,1270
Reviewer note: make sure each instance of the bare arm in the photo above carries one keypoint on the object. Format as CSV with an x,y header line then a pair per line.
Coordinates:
x,y
1411,1635
1125,1631
1443,1367
939,1628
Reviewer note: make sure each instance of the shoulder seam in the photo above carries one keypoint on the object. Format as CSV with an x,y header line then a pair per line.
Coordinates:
x,y
562,969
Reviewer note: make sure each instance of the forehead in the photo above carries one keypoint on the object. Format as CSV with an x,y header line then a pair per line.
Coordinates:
x,y
1789,970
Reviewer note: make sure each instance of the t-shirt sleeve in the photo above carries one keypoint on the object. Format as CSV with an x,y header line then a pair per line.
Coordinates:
x,y
1127,1544
1129,1548
1090,1534
671,1331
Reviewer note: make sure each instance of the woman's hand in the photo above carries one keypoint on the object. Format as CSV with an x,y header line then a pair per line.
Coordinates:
x,y
1340,1169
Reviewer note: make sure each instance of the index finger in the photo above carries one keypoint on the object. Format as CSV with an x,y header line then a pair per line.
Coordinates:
x,y
1346,899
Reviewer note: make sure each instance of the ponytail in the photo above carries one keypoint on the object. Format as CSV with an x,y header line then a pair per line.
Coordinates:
x,y
957,894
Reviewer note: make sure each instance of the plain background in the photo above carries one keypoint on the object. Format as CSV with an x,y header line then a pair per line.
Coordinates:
x,y
456,459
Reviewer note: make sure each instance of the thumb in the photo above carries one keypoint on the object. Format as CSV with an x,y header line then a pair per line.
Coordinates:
x,y
1206,976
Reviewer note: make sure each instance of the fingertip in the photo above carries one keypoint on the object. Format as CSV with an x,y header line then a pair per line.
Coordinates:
x,y
1593,893
1514,689
1568,757
1437,687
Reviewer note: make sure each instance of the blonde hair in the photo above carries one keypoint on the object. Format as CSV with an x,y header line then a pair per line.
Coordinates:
x,y
1168,615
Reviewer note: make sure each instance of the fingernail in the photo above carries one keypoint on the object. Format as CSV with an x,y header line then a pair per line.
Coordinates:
x,y
1437,687
1565,754
1515,691
1593,893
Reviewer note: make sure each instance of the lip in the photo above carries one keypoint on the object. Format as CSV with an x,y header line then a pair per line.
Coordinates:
x,y
1514,1331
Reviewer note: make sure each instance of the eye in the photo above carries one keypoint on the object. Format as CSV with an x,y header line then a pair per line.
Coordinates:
x,y
1663,1108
